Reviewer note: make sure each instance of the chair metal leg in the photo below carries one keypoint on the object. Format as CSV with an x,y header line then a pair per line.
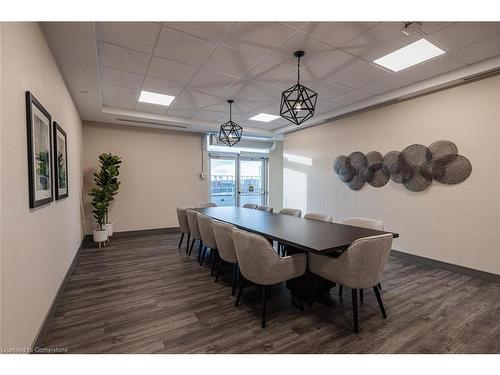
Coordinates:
x,y
361,296
219,270
180,242
213,258
264,301
340,290
379,300
355,309
233,286
191,248
203,255
379,286
242,285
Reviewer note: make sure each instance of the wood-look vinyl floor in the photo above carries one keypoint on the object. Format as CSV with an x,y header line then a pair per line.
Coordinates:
x,y
142,295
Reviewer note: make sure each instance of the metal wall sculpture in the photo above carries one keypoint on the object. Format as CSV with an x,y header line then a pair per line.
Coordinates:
x,y
415,167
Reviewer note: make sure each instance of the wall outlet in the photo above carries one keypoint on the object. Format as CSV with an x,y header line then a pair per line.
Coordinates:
x,y
203,176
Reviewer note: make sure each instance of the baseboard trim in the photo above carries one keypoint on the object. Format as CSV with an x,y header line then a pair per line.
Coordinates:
x,y
491,277
140,232
42,331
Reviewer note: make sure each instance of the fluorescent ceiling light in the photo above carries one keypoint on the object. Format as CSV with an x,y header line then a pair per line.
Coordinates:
x,y
155,98
412,54
264,117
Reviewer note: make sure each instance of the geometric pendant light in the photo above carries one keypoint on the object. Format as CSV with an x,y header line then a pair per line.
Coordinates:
x,y
298,102
230,132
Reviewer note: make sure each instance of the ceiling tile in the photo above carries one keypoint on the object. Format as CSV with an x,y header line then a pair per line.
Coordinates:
x,y
386,84
210,116
245,89
230,61
294,25
196,98
181,108
324,89
432,27
462,34
222,106
258,38
140,36
441,64
334,64
119,92
380,40
211,31
171,70
324,106
482,50
121,78
118,103
269,72
336,33
179,46
122,58
352,97
362,75
209,80
313,48
162,86
151,108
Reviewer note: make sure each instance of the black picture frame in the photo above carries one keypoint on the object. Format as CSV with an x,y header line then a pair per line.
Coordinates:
x,y
40,150
60,175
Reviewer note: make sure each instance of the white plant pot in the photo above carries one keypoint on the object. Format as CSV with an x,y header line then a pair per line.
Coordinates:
x,y
100,236
109,229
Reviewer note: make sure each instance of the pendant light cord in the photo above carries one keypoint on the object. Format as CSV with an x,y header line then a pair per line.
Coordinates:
x,y
230,112
298,69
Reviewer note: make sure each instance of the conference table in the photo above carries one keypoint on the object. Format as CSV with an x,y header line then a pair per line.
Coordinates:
x,y
297,234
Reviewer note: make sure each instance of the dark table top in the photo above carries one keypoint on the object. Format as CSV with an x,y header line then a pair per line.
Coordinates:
x,y
308,235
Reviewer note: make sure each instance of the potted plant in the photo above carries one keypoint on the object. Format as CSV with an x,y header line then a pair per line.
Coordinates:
x,y
111,164
100,205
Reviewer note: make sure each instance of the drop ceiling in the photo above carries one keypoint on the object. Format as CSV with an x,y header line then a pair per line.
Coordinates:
x,y
202,64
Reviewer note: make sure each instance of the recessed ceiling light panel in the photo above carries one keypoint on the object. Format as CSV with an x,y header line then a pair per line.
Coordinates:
x,y
155,98
264,117
412,54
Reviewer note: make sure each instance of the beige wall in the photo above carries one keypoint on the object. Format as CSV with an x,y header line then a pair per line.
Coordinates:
x,y
160,170
37,246
459,224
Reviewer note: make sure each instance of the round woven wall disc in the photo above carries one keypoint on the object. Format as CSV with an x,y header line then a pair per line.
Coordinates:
x,y
416,154
358,181
442,148
358,160
373,157
339,162
453,171
418,181
401,172
390,160
346,172
377,175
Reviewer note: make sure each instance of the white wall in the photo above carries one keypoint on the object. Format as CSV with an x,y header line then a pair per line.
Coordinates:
x,y
160,171
276,176
459,224
37,246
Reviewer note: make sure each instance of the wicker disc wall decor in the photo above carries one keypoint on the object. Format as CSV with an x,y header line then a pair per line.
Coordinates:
x,y
415,167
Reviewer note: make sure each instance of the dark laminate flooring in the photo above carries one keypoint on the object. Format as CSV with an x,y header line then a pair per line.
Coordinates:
x,y
142,295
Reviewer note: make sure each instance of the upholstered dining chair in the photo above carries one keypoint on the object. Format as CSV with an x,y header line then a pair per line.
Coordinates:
x,y
359,267
206,205
250,205
318,217
223,233
183,226
264,208
363,222
208,238
192,218
291,212
260,265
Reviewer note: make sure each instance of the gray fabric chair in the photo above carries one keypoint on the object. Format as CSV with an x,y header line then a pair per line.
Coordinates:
x,y
264,208
260,264
208,238
206,205
318,217
250,205
224,239
359,267
183,226
291,212
192,218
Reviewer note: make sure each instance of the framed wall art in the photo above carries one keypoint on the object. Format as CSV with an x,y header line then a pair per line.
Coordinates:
x,y
60,162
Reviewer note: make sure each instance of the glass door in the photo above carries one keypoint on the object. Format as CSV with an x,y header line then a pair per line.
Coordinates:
x,y
252,181
223,181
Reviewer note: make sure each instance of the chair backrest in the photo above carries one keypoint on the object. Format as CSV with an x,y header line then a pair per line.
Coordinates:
x,y
318,217
364,261
256,258
182,218
364,223
250,205
192,217
264,208
207,231
206,205
223,233
291,212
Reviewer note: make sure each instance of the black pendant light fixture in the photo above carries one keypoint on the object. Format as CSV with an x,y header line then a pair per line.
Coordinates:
x,y
230,132
298,102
